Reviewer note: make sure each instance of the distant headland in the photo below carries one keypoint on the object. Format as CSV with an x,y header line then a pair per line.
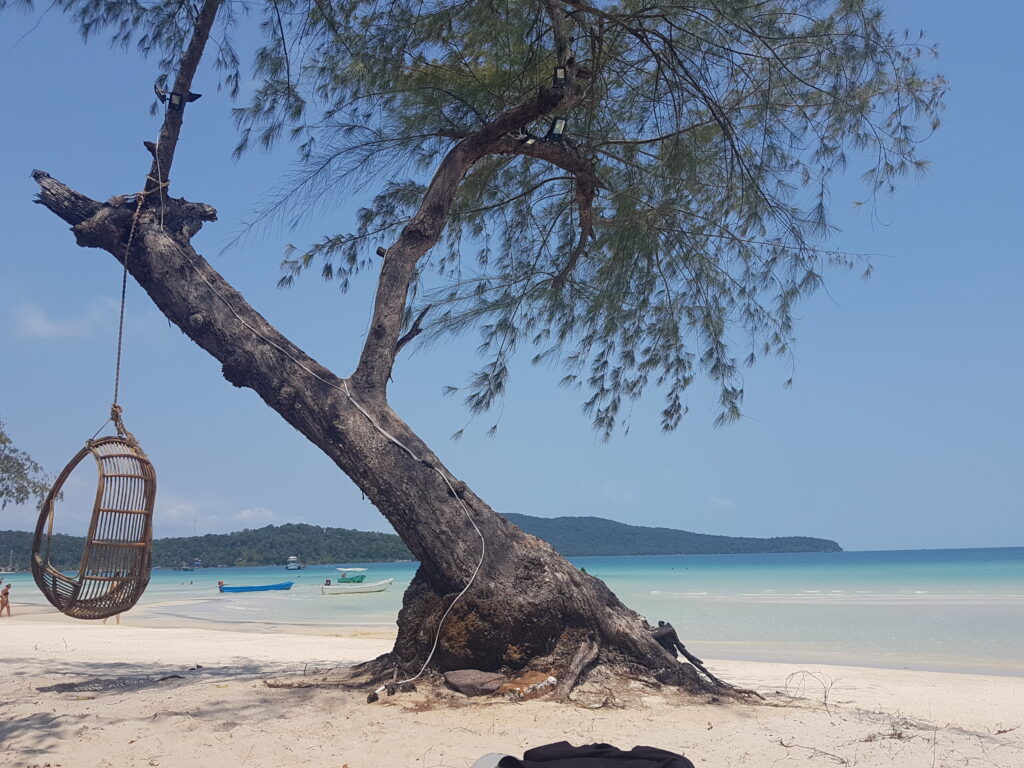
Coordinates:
x,y
584,536
273,544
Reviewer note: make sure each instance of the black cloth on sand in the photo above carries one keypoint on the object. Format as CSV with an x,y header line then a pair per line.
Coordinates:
x,y
564,755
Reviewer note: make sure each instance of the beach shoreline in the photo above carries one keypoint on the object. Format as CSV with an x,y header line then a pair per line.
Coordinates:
x,y
162,615
62,706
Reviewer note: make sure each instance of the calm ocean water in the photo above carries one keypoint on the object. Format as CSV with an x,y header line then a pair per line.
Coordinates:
x,y
958,610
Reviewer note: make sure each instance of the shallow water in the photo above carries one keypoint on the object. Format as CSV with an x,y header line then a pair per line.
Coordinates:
x,y
958,610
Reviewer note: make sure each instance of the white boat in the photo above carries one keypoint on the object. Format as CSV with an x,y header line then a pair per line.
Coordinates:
x,y
346,589
293,564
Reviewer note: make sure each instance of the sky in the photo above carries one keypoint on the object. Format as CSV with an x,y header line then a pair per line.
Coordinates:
x,y
902,430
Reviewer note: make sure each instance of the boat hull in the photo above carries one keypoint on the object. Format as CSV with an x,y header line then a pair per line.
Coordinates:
x,y
262,588
348,589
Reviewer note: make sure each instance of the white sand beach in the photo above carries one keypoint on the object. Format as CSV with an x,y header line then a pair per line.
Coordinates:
x,y
219,712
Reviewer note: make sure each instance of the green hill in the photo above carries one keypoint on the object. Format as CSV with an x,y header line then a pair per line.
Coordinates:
x,y
261,546
582,536
572,536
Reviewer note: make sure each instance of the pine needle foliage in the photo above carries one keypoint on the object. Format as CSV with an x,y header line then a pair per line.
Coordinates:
x,y
711,131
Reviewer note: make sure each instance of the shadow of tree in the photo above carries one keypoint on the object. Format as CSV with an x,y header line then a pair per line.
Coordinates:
x,y
104,688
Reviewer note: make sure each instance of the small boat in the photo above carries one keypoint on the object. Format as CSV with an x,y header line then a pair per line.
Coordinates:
x,y
345,589
293,564
261,588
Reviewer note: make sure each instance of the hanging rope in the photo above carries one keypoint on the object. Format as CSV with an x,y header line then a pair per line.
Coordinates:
x,y
115,409
141,199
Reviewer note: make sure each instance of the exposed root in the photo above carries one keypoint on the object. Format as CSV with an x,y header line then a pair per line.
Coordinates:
x,y
667,638
579,660
585,656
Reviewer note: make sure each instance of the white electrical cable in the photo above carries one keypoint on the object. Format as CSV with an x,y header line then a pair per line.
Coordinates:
x,y
465,509
389,436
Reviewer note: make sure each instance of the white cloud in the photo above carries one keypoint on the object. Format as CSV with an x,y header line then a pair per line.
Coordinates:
x,y
179,516
255,516
35,322
718,502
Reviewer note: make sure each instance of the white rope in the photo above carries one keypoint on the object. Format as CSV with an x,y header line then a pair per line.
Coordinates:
x,y
389,436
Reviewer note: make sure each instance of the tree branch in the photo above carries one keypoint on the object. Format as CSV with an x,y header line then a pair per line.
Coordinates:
x,y
425,228
174,115
69,205
565,156
414,331
559,30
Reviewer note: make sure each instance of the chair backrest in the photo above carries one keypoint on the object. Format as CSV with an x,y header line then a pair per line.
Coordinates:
x,y
117,559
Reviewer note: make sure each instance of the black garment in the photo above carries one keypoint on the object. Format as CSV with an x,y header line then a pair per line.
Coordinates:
x,y
564,755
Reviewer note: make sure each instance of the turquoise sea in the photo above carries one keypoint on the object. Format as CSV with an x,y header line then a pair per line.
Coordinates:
x,y
956,610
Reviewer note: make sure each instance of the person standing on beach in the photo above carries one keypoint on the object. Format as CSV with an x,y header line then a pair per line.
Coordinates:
x,y
5,600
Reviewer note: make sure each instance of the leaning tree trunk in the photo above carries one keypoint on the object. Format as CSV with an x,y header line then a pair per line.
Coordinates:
x,y
527,602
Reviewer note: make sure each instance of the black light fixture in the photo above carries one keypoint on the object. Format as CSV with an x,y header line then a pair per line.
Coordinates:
x,y
173,99
557,130
558,78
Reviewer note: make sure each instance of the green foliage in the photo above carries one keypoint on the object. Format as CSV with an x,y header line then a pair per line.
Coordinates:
x,y
21,478
714,127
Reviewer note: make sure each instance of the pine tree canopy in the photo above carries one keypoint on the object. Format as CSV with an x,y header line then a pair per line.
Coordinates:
x,y
667,232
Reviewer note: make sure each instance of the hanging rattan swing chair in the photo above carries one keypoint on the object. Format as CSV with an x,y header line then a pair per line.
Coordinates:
x,y
118,555
117,558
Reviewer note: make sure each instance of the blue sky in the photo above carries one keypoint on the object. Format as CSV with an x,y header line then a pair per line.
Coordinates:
x,y
902,430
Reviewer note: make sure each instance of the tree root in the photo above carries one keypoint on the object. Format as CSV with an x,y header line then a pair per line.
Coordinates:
x,y
585,656
667,638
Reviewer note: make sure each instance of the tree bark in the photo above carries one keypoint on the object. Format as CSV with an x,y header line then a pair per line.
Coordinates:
x,y
527,607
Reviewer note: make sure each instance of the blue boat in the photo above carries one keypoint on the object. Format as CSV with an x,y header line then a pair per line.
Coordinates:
x,y
262,588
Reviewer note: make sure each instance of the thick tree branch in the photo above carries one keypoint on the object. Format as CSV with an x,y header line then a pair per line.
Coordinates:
x,y
69,205
425,228
254,354
559,27
565,156
174,115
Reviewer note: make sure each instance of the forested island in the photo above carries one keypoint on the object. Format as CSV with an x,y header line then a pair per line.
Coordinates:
x,y
571,536
583,536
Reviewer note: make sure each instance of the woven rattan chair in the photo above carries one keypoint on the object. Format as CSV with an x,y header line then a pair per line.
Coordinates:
x,y
117,559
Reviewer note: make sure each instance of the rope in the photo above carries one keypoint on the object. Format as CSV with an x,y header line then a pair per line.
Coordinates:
x,y
161,185
115,409
141,197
